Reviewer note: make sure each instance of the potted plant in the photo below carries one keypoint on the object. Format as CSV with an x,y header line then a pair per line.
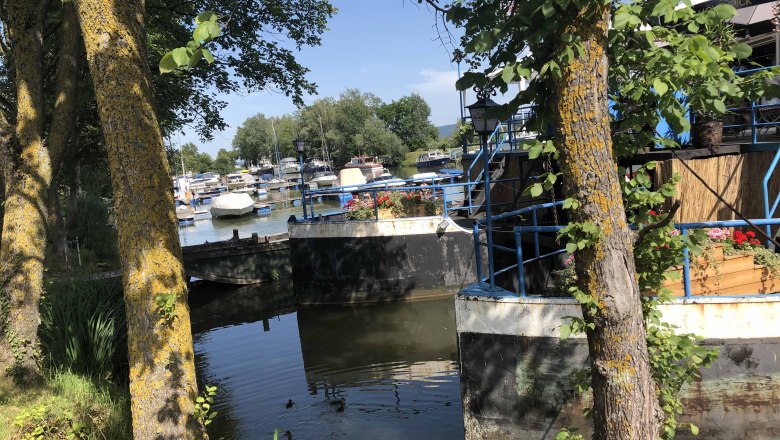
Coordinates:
x,y
710,80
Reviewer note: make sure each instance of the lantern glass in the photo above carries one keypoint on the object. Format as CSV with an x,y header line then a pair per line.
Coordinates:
x,y
483,125
300,145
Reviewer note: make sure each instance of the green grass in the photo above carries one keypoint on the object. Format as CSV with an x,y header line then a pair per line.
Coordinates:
x,y
98,409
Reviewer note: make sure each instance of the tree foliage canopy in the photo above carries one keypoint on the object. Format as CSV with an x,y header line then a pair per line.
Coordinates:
x,y
336,128
408,118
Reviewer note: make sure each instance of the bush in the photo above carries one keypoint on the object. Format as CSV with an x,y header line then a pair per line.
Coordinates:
x,y
83,328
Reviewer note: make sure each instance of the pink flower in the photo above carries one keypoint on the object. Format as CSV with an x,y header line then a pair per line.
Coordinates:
x,y
674,232
569,260
717,234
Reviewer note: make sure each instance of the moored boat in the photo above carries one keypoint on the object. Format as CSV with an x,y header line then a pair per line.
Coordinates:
x,y
289,167
432,159
323,178
231,205
385,180
316,166
368,165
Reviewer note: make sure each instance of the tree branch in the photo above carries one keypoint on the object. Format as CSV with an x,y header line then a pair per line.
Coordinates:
x,y
659,224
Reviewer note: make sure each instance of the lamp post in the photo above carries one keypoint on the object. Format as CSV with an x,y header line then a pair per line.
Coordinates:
x,y
484,126
300,147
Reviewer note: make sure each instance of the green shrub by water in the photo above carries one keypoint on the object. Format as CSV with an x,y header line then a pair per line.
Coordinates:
x,y
83,329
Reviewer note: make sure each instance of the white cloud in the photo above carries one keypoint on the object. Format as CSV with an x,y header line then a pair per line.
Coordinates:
x,y
438,89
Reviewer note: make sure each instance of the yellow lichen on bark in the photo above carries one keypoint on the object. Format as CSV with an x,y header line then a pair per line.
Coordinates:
x,y
605,270
24,223
162,371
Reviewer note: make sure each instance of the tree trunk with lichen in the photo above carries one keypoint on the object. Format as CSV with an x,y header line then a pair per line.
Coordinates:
x,y
625,404
24,221
162,369
64,118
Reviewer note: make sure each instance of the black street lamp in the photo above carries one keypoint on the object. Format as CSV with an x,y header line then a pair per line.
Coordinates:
x,y
300,147
485,126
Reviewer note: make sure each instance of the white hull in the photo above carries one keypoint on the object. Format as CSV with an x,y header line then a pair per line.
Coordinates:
x,y
323,181
231,205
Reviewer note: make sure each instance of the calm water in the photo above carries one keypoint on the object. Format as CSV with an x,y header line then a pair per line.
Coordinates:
x,y
395,366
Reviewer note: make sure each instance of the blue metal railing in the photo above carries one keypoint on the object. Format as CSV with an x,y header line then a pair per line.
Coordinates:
x,y
534,229
444,192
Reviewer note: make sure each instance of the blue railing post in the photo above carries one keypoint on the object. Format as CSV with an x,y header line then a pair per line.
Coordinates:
x,y
477,252
686,267
444,199
520,267
536,234
376,208
488,214
753,121
768,213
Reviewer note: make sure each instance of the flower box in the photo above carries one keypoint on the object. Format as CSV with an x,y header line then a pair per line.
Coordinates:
x,y
714,274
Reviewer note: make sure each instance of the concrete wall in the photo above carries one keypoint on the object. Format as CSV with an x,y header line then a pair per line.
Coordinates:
x,y
239,261
517,374
374,261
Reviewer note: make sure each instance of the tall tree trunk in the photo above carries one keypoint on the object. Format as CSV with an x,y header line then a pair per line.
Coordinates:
x,y
56,223
64,118
162,369
24,224
625,404
74,186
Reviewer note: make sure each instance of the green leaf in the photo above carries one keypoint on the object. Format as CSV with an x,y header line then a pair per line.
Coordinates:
x,y
548,9
724,11
482,42
571,247
694,429
660,86
508,74
206,16
167,65
719,105
565,331
206,31
742,50
207,55
196,56
180,56
535,151
536,189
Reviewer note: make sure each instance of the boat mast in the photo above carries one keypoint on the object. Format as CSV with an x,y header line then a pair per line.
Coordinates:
x,y
325,152
276,149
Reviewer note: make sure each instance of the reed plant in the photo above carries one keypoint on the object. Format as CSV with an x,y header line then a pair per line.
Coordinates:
x,y
83,329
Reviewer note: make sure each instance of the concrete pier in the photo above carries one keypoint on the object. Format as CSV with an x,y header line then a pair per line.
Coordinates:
x,y
375,261
517,374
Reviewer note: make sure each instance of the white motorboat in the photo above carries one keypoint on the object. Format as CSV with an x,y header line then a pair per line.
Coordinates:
x,y
231,205
323,178
289,167
385,180
426,178
239,180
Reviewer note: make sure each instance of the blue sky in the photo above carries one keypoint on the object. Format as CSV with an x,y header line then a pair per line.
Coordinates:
x,y
386,47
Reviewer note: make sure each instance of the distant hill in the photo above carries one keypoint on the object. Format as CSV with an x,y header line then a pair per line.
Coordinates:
x,y
446,130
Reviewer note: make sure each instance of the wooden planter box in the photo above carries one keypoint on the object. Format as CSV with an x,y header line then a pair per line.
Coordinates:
x,y
719,275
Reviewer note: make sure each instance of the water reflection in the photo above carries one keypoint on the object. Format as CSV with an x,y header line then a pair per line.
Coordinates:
x,y
394,366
